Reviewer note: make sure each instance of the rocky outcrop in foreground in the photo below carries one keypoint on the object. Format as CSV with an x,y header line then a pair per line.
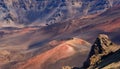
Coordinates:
x,y
103,47
104,54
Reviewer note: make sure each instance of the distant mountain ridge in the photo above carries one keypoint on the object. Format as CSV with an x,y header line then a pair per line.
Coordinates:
x,y
39,12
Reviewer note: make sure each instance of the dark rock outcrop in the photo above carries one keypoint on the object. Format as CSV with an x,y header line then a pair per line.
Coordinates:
x,y
102,47
104,54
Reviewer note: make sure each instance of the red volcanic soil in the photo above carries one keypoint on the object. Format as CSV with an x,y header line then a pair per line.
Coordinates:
x,y
110,26
54,54
60,52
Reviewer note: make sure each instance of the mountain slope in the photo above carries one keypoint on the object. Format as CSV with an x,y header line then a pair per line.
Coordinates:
x,y
30,41
107,23
57,56
92,17
20,13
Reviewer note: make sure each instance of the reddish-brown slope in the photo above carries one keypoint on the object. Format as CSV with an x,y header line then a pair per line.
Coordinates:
x,y
61,51
109,26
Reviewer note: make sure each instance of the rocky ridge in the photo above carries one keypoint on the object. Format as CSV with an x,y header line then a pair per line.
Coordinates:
x,y
104,54
101,48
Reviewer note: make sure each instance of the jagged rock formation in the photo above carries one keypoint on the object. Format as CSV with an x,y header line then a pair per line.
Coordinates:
x,y
104,54
102,47
38,12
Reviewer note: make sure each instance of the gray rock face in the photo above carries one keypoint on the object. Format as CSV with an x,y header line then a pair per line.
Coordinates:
x,y
40,12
